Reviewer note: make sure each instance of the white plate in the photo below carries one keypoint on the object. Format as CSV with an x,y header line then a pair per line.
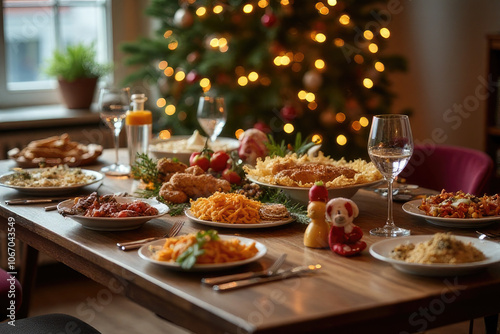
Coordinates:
x,y
263,224
183,154
146,254
381,250
49,191
412,209
301,194
115,224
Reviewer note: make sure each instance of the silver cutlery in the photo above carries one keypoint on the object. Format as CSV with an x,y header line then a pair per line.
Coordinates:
x,y
402,193
35,200
294,272
491,235
273,269
125,246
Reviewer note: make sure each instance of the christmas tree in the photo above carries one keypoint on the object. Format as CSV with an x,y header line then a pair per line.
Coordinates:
x,y
314,67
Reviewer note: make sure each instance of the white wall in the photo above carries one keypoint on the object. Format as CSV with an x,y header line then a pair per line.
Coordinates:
x,y
444,42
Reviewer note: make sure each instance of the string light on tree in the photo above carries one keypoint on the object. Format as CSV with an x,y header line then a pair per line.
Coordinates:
x,y
314,67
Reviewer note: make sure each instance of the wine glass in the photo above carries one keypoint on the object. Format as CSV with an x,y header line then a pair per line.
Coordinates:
x,y
390,146
212,115
113,106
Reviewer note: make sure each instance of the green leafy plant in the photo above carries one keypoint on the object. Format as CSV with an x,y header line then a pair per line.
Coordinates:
x,y
300,147
76,61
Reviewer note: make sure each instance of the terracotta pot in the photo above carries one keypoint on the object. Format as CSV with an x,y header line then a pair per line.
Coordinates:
x,y
78,94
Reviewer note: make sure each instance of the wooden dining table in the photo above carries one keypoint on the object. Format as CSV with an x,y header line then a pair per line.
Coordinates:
x,y
358,294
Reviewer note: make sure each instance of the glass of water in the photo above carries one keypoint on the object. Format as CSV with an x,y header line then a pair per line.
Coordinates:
x,y
390,147
212,115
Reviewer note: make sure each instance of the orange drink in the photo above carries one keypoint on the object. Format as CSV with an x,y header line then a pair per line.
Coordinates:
x,y
139,125
139,117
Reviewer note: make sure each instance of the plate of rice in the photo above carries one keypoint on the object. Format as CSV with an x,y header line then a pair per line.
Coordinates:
x,y
441,254
57,180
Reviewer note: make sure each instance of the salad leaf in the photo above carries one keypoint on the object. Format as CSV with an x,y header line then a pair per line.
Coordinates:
x,y
188,258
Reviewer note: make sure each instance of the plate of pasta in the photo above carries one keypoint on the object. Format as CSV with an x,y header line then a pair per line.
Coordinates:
x,y
260,224
427,247
237,211
226,252
412,208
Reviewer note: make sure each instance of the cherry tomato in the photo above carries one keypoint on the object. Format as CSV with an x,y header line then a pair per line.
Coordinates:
x,y
191,158
202,161
231,176
218,161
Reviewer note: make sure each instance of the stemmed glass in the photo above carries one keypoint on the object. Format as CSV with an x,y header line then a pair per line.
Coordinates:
x,y
212,115
113,106
390,146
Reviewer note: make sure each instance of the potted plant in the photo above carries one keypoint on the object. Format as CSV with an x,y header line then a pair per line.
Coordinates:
x,y
77,72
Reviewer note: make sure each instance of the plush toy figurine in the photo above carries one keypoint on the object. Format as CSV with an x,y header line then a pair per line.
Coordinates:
x,y
316,234
345,237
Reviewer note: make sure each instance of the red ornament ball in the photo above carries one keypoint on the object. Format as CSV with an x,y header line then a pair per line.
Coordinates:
x,y
193,57
262,127
192,77
183,18
268,20
288,112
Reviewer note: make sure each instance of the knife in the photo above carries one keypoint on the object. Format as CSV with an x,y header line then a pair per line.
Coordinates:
x,y
294,272
250,274
35,201
234,277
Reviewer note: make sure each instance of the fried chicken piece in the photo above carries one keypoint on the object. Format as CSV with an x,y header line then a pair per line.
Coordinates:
x,y
194,170
172,195
313,172
193,182
283,166
167,167
195,186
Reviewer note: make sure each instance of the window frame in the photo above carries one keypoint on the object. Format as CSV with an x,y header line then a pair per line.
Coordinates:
x,y
49,95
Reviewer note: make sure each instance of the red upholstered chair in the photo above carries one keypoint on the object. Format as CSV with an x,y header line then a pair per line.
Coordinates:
x,y
10,295
451,168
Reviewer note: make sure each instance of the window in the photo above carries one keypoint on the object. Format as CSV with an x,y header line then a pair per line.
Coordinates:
x,y
29,32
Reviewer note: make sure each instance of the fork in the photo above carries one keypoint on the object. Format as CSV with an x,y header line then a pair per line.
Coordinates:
x,y
174,230
484,235
234,277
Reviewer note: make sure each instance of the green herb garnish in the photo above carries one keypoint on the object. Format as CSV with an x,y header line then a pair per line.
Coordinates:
x,y
177,208
300,147
188,258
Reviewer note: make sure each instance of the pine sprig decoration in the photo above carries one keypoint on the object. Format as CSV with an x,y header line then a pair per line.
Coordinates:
x,y
144,168
177,209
